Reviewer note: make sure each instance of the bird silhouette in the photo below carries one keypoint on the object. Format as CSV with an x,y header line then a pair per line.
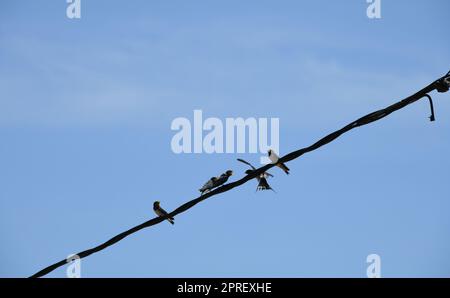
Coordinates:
x,y
274,158
208,185
223,178
161,212
262,178
215,182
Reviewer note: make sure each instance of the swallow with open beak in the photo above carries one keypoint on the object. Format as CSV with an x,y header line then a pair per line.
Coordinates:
x,y
262,178
274,158
161,212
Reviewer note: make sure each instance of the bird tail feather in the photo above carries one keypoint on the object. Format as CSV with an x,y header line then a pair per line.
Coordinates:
x,y
284,168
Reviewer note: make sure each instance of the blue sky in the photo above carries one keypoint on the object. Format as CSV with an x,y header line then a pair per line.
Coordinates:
x,y
86,107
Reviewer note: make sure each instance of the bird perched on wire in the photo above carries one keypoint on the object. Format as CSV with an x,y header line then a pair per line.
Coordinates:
x,y
223,178
262,178
208,185
274,158
161,212
215,182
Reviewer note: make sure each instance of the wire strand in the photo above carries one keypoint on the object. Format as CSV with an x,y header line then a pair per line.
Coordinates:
x,y
441,85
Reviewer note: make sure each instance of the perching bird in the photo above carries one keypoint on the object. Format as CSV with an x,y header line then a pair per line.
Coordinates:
x,y
161,212
223,178
274,158
262,178
215,182
208,185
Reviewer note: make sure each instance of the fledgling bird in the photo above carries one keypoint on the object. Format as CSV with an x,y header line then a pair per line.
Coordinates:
x,y
208,185
223,178
215,182
262,178
161,212
274,158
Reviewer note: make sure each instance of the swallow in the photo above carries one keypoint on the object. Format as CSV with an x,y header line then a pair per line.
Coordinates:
x,y
223,178
161,212
208,185
274,158
215,182
262,178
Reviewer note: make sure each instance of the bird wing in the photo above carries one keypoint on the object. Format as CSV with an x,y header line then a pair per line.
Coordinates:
x,y
273,157
222,179
207,185
164,212
247,163
283,167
